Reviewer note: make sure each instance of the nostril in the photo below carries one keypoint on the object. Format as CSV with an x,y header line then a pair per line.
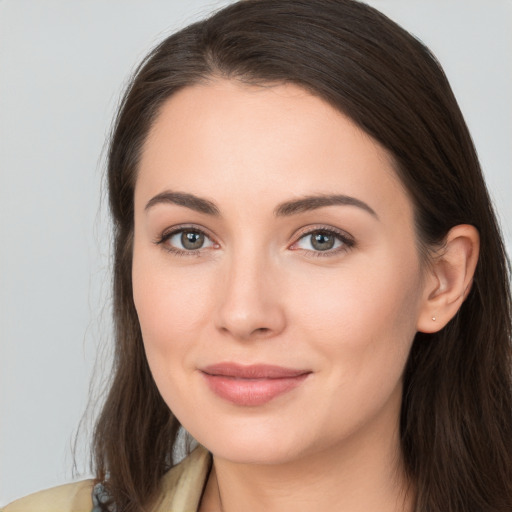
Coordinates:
x,y
261,330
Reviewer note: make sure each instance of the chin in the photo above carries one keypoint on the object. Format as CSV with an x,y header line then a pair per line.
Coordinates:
x,y
259,443
262,452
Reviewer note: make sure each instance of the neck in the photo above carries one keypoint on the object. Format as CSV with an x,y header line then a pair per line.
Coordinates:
x,y
356,476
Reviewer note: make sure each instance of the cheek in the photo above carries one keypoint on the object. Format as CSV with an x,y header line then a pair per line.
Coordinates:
x,y
172,307
174,311
363,320
362,298
362,324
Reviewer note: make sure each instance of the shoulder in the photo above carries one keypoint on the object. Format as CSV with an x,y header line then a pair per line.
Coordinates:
x,y
182,488
75,497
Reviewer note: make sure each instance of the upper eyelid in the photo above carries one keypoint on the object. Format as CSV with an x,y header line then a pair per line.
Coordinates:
x,y
308,230
168,232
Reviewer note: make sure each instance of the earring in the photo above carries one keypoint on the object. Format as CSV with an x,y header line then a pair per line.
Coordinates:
x,y
433,319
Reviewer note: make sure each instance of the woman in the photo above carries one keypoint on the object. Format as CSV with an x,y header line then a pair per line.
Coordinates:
x,y
308,274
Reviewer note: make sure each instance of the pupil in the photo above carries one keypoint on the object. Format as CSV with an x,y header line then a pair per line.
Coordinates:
x,y
322,241
192,240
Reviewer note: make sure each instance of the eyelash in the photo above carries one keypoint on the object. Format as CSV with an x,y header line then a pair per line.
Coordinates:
x,y
346,241
167,235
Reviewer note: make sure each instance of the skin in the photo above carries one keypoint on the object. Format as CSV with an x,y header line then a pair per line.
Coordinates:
x,y
259,292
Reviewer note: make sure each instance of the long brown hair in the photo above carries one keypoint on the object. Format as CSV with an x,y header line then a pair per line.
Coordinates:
x,y
456,419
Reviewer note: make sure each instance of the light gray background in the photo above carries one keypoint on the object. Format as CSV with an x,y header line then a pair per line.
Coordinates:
x,y
62,66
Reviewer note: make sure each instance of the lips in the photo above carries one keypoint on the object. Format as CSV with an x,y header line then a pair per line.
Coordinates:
x,y
252,385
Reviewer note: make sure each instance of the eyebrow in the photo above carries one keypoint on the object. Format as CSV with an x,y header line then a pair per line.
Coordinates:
x,y
308,203
288,208
182,199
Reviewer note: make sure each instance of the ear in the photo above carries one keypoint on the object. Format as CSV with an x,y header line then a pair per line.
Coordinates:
x,y
449,279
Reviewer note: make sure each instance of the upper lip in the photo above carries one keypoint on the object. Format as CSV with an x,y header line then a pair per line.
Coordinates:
x,y
254,371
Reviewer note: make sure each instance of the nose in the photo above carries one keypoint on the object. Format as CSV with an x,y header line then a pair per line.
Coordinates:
x,y
250,300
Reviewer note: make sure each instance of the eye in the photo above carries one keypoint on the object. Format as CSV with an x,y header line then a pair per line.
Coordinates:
x,y
186,240
323,240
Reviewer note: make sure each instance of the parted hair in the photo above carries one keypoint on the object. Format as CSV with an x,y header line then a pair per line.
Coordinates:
x,y
456,415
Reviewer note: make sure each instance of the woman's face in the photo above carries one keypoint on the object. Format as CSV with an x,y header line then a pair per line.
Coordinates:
x,y
276,274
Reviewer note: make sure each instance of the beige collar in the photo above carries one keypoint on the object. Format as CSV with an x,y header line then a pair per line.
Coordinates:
x,y
183,485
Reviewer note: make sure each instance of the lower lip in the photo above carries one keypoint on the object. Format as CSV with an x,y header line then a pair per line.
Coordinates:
x,y
251,392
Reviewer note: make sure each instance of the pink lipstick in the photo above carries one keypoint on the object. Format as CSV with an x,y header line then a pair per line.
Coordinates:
x,y
252,385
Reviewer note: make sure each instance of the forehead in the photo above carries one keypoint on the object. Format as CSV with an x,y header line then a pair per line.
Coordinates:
x,y
224,137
